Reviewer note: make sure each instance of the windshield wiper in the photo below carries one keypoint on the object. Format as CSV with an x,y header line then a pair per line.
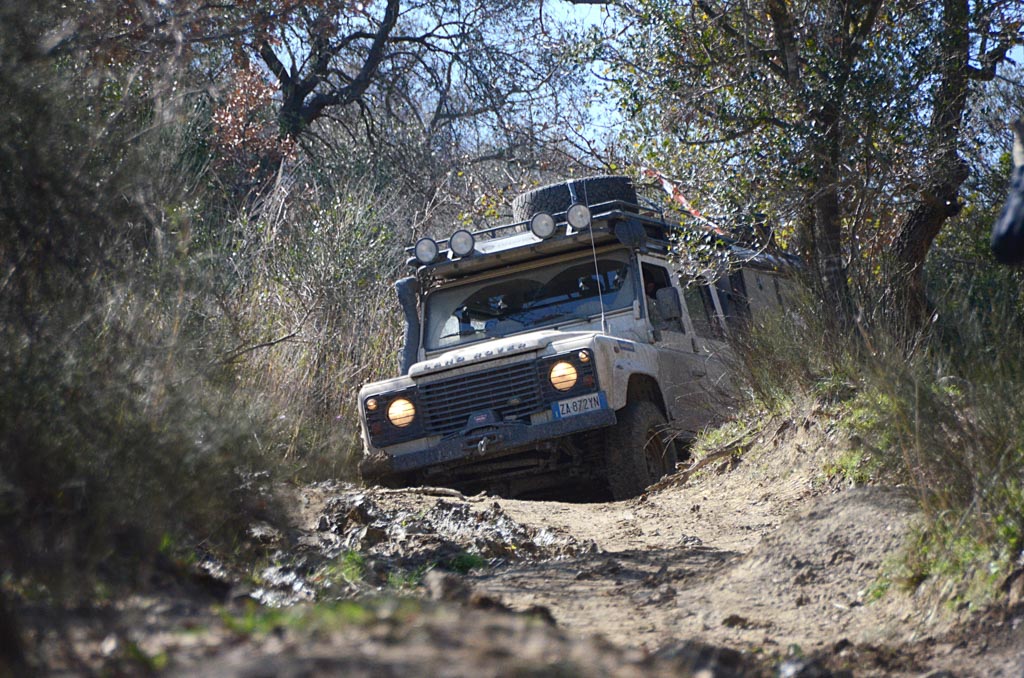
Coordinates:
x,y
461,334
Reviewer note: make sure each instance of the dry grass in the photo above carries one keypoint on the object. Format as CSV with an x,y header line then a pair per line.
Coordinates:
x,y
943,408
314,314
167,348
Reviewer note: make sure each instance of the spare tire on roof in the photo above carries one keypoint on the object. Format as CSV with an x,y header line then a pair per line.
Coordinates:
x,y
557,197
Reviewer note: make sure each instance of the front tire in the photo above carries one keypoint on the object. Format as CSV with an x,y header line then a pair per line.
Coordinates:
x,y
638,451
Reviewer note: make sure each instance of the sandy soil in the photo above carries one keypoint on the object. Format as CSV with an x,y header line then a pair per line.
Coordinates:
x,y
760,555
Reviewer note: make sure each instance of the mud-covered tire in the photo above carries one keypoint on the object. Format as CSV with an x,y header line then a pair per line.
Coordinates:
x,y
637,450
556,198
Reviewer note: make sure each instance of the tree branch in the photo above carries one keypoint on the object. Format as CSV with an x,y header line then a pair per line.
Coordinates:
x,y
785,38
719,18
864,29
238,353
274,64
346,95
990,61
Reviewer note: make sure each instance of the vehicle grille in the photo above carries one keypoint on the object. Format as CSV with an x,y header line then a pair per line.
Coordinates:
x,y
512,391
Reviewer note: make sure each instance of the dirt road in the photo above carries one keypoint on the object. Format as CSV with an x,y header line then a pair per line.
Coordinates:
x,y
761,565
765,554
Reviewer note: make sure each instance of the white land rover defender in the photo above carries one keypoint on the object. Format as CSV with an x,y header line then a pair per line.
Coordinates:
x,y
559,350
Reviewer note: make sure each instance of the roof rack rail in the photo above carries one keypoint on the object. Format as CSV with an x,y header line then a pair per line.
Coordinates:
x,y
601,210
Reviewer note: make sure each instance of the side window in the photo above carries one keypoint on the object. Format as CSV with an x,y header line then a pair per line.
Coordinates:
x,y
655,278
732,295
702,310
763,291
699,315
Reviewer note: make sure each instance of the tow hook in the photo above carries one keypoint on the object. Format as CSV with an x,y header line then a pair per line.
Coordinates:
x,y
481,447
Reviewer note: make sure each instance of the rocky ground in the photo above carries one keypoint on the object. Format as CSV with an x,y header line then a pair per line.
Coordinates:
x,y
760,564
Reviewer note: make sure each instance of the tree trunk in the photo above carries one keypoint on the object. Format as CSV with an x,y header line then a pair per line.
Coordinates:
x,y
828,237
938,199
829,255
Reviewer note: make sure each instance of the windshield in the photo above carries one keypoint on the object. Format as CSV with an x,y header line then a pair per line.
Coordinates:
x,y
534,298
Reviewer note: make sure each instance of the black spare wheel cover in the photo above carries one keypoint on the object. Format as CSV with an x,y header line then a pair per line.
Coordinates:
x,y
556,198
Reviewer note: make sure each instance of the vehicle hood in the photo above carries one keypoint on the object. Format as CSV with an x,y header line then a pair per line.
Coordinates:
x,y
496,348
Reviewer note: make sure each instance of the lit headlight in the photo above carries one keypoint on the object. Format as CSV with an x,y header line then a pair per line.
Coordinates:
x,y
578,216
425,250
461,242
401,412
542,225
563,375
371,404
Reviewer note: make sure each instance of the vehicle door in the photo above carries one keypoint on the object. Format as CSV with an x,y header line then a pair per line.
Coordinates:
x,y
682,356
707,316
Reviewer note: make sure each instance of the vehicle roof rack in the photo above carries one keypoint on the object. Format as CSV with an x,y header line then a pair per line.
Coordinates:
x,y
498,244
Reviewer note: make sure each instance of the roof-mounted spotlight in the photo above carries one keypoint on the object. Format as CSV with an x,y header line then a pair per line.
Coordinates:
x,y
425,250
542,225
461,243
578,216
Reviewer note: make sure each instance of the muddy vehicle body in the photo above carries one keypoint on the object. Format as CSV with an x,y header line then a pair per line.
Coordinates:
x,y
562,350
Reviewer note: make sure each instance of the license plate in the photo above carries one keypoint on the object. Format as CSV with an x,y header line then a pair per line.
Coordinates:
x,y
570,407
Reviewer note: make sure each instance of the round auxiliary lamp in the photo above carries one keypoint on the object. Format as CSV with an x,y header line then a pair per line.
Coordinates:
x,y
425,250
461,243
578,216
542,225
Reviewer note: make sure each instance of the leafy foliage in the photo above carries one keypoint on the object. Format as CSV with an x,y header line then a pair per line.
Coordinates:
x,y
840,122
189,298
115,429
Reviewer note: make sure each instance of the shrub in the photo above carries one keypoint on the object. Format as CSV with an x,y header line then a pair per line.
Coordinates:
x,y
118,424
311,305
940,408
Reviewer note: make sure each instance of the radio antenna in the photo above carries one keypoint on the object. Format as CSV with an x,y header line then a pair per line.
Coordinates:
x,y
593,250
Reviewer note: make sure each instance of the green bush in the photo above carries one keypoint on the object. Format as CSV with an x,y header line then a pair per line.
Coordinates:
x,y
800,351
175,333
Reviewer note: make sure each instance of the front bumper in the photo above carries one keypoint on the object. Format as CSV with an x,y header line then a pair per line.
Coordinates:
x,y
486,442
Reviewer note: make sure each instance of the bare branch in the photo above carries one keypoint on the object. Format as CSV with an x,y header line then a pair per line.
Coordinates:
x,y
313,109
238,353
274,64
991,59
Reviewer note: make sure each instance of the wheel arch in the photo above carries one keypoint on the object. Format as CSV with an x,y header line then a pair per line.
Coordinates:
x,y
645,387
